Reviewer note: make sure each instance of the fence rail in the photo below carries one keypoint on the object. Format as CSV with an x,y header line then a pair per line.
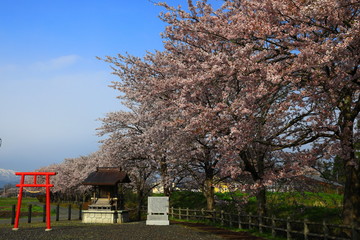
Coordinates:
x,y
287,228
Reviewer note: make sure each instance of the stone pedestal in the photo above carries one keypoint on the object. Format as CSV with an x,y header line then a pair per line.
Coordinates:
x,y
158,208
105,216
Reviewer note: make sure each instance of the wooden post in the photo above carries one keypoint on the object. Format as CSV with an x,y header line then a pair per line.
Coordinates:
x,y
260,223
69,212
288,229
187,213
306,229
172,212
202,214
13,214
249,219
80,211
325,230
44,213
239,221
273,226
354,232
222,217
230,220
29,213
57,212
179,213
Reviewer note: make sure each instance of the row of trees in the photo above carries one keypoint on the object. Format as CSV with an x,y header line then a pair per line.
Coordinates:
x,y
252,91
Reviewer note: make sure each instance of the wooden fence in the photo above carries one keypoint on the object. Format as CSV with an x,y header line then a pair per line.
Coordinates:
x,y
67,216
286,228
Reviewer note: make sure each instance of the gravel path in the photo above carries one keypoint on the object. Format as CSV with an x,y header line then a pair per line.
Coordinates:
x,y
128,231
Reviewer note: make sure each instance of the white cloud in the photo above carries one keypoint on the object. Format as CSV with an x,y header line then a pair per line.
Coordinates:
x,y
56,63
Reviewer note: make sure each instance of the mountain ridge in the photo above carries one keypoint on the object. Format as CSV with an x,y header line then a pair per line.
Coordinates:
x,y
8,176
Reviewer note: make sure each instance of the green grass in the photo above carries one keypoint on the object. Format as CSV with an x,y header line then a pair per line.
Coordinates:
x,y
6,204
313,206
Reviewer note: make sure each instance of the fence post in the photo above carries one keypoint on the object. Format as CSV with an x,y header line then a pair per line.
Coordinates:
x,y
222,217
214,216
273,226
288,229
325,230
239,221
230,220
306,229
44,213
187,213
354,232
13,214
80,211
202,214
172,212
260,223
249,219
69,212
57,212
29,213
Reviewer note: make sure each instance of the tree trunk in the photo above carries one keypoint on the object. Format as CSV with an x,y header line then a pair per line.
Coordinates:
x,y
351,208
257,173
140,201
261,201
165,176
209,194
351,204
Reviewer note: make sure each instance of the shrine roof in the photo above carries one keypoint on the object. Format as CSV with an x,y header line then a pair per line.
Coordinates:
x,y
106,176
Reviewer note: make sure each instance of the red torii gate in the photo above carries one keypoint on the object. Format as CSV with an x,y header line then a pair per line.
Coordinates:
x,y
47,185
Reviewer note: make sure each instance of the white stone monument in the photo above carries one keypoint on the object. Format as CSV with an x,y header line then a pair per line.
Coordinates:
x,y
158,209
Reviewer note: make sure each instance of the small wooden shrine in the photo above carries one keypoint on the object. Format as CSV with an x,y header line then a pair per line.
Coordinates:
x,y
107,201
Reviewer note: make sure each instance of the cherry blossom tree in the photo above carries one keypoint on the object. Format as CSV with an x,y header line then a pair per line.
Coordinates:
x,y
71,173
309,47
127,147
326,38
256,88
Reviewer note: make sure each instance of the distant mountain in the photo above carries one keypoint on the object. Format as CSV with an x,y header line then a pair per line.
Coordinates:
x,y
8,177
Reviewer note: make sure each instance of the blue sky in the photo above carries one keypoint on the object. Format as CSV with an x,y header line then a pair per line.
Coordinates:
x,y
52,88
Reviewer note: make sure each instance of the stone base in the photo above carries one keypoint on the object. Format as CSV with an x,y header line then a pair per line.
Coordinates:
x,y
157,220
122,216
105,216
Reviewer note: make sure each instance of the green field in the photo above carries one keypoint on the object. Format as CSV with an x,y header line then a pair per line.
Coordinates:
x,y
6,206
